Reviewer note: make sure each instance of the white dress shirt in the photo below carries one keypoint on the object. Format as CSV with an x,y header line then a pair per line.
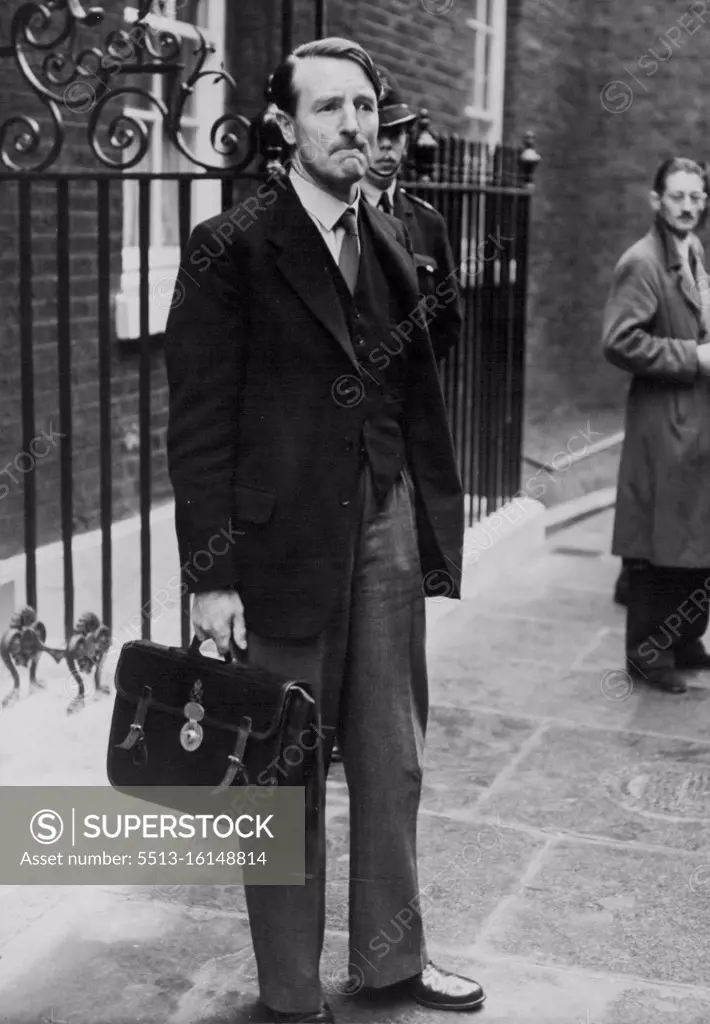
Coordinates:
x,y
373,194
324,210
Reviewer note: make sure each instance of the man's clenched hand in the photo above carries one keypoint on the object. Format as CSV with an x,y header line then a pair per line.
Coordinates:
x,y
219,615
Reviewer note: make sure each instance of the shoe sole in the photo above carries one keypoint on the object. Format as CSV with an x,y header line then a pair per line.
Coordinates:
x,y
463,1007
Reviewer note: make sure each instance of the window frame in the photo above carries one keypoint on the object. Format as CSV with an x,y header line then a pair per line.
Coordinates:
x,y
490,116
164,259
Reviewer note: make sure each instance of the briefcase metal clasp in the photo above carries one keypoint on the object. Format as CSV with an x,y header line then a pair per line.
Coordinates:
x,y
192,733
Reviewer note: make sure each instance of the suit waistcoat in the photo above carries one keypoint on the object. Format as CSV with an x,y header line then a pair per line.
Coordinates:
x,y
371,314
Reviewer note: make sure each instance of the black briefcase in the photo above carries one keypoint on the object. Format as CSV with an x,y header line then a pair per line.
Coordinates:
x,y
183,719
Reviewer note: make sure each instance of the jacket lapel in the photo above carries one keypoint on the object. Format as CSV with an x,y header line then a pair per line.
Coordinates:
x,y
306,263
397,262
689,287
703,288
677,267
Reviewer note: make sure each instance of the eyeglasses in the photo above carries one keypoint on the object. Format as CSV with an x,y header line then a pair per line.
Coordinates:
x,y
697,198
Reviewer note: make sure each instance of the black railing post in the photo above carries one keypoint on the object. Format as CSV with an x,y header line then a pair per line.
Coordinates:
x,y
286,28
528,160
27,386
320,19
425,148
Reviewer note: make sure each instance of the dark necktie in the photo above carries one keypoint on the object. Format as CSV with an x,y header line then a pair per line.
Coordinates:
x,y
349,260
385,203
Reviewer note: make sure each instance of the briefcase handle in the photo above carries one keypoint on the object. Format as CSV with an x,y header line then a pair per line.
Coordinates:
x,y
236,655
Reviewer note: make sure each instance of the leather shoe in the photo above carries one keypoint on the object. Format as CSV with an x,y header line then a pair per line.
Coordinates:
x,y
442,990
692,655
322,1016
665,679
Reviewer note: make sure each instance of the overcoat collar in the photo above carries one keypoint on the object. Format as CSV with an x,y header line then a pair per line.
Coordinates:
x,y
671,259
305,261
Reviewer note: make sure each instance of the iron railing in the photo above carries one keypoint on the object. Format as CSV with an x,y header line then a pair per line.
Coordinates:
x,y
68,251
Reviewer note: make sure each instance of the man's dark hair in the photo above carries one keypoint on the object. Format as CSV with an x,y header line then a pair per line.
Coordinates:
x,y
282,90
671,166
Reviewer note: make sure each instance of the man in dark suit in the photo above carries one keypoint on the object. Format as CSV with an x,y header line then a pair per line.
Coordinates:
x,y
656,328
425,225
307,426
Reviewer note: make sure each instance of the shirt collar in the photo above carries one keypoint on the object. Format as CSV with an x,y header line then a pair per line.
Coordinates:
x,y
373,194
326,209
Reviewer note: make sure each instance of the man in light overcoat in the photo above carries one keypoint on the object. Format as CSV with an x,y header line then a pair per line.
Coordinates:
x,y
656,328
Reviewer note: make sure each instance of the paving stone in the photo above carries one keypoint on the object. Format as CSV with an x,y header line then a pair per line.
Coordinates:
x,y
148,964
133,963
465,868
623,911
593,532
524,993
620,786
559,604
537,690
464,754
594,574
470,629
595,697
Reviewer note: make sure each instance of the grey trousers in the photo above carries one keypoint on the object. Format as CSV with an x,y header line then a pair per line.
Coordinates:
x,y
368,671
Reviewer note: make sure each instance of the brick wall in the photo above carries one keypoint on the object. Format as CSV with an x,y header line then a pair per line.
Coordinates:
x,y
649,59
428,53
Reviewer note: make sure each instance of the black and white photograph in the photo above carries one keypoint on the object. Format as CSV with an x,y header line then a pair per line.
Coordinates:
x,y
354,511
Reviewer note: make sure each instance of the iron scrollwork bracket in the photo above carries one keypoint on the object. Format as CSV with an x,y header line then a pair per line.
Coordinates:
x,y
85,80
86,650
24,642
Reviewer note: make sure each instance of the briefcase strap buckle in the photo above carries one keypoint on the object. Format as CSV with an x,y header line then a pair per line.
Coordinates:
x,y
135,733
236,759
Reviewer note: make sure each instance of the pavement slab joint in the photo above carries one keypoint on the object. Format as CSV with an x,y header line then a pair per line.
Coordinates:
x,y
511,767
503,907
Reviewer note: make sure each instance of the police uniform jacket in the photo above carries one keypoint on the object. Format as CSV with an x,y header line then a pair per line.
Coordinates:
x,y
435,268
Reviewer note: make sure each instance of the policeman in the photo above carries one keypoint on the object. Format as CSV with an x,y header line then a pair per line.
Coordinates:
x,y
426,226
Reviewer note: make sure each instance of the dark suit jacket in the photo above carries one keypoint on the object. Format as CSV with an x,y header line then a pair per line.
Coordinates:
x,y
435,268
265,422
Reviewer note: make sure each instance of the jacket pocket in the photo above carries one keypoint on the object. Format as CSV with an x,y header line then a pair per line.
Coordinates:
x,y
424,262
426,269
252,505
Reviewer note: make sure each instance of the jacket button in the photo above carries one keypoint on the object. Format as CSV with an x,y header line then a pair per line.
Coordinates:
x,y
349,446
345,502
